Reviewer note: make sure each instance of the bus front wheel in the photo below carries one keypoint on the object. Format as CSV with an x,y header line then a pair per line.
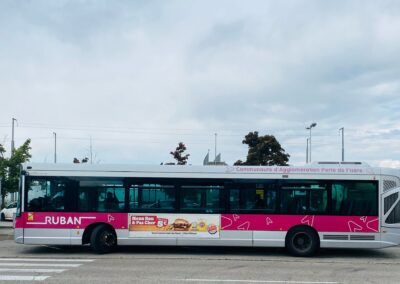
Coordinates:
x,y
103,239
302,241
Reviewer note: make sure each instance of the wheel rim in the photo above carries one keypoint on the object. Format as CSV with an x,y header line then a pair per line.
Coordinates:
x,y
107,239
302,241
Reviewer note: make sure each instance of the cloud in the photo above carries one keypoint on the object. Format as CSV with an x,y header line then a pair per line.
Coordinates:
x,y
141,76
390,163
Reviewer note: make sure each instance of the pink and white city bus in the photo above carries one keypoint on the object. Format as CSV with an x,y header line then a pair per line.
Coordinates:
x,y
327,205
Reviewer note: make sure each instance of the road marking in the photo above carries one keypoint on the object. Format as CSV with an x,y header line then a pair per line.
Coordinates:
x,y
47,259
32,270
36,267
255,281
22,278
41,264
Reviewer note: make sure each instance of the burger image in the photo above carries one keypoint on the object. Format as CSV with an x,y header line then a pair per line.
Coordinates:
x,y
181,225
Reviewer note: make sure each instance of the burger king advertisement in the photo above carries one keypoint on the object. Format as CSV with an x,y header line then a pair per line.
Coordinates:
x,y
174,225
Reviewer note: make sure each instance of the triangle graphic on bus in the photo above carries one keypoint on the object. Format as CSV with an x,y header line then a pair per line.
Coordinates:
x,y
245,226
309,220
354,227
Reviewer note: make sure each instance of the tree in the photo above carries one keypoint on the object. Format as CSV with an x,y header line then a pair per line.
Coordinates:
x,y
3,174
10,168
178,154
263,151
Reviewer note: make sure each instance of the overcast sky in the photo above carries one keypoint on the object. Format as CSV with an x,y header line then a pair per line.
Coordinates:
x,y
140,76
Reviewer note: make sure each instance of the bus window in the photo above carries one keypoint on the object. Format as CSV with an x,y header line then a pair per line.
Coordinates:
x,y
46,195
358,198
103,195
114,199
201,199
152,197
247,197
304,198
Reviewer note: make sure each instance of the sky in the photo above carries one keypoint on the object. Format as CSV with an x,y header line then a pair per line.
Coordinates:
x,y
128,80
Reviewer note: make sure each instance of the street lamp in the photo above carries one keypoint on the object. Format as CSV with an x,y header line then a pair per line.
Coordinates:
x,y
307,151
342,131
309,128
12,136
55,147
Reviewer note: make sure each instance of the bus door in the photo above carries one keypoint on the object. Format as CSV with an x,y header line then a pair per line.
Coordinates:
x,y
18,222
390,212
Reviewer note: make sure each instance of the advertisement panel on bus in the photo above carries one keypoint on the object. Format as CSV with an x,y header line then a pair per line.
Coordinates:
x,y
174,225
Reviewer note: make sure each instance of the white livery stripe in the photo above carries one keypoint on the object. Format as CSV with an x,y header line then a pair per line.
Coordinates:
x,y
22,278
32,270
47,259
41,264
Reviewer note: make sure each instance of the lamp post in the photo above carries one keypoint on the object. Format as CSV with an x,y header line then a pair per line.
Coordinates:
x,y
55,147
215,157
342,131
309,128
307,151
12,136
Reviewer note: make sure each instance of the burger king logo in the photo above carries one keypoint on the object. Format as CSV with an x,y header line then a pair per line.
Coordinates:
x,y
212,229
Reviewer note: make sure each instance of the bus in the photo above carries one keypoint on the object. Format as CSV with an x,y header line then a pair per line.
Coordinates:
x,y
300,208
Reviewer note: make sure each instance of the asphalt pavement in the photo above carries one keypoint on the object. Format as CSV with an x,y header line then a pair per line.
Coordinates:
x,y
151,264
6,230
65,264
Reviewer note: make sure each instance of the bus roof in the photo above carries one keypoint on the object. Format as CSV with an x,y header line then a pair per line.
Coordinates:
x,y
221,171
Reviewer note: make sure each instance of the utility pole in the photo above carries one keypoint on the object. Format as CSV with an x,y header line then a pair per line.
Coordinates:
x,y
55,147
91,151
342,130
307,152
12,136
215,154
309,128
12,152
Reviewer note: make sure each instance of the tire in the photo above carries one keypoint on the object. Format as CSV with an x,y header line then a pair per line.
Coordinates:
x,y
2,217
302,241
103,239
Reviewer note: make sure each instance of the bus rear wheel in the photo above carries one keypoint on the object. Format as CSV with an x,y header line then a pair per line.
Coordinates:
x,y
103,239
302,241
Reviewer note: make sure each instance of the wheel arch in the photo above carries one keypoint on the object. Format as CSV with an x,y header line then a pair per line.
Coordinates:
x,y
292,248
302,226
88,231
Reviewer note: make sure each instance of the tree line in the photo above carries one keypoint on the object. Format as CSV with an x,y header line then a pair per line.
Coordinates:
x,y
10,168
262,151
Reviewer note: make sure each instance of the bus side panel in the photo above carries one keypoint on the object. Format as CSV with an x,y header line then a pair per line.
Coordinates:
x,y
47,236
124,239
227,238
321,223
65,228
350,240
390,236
76,236
19,230
269,238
